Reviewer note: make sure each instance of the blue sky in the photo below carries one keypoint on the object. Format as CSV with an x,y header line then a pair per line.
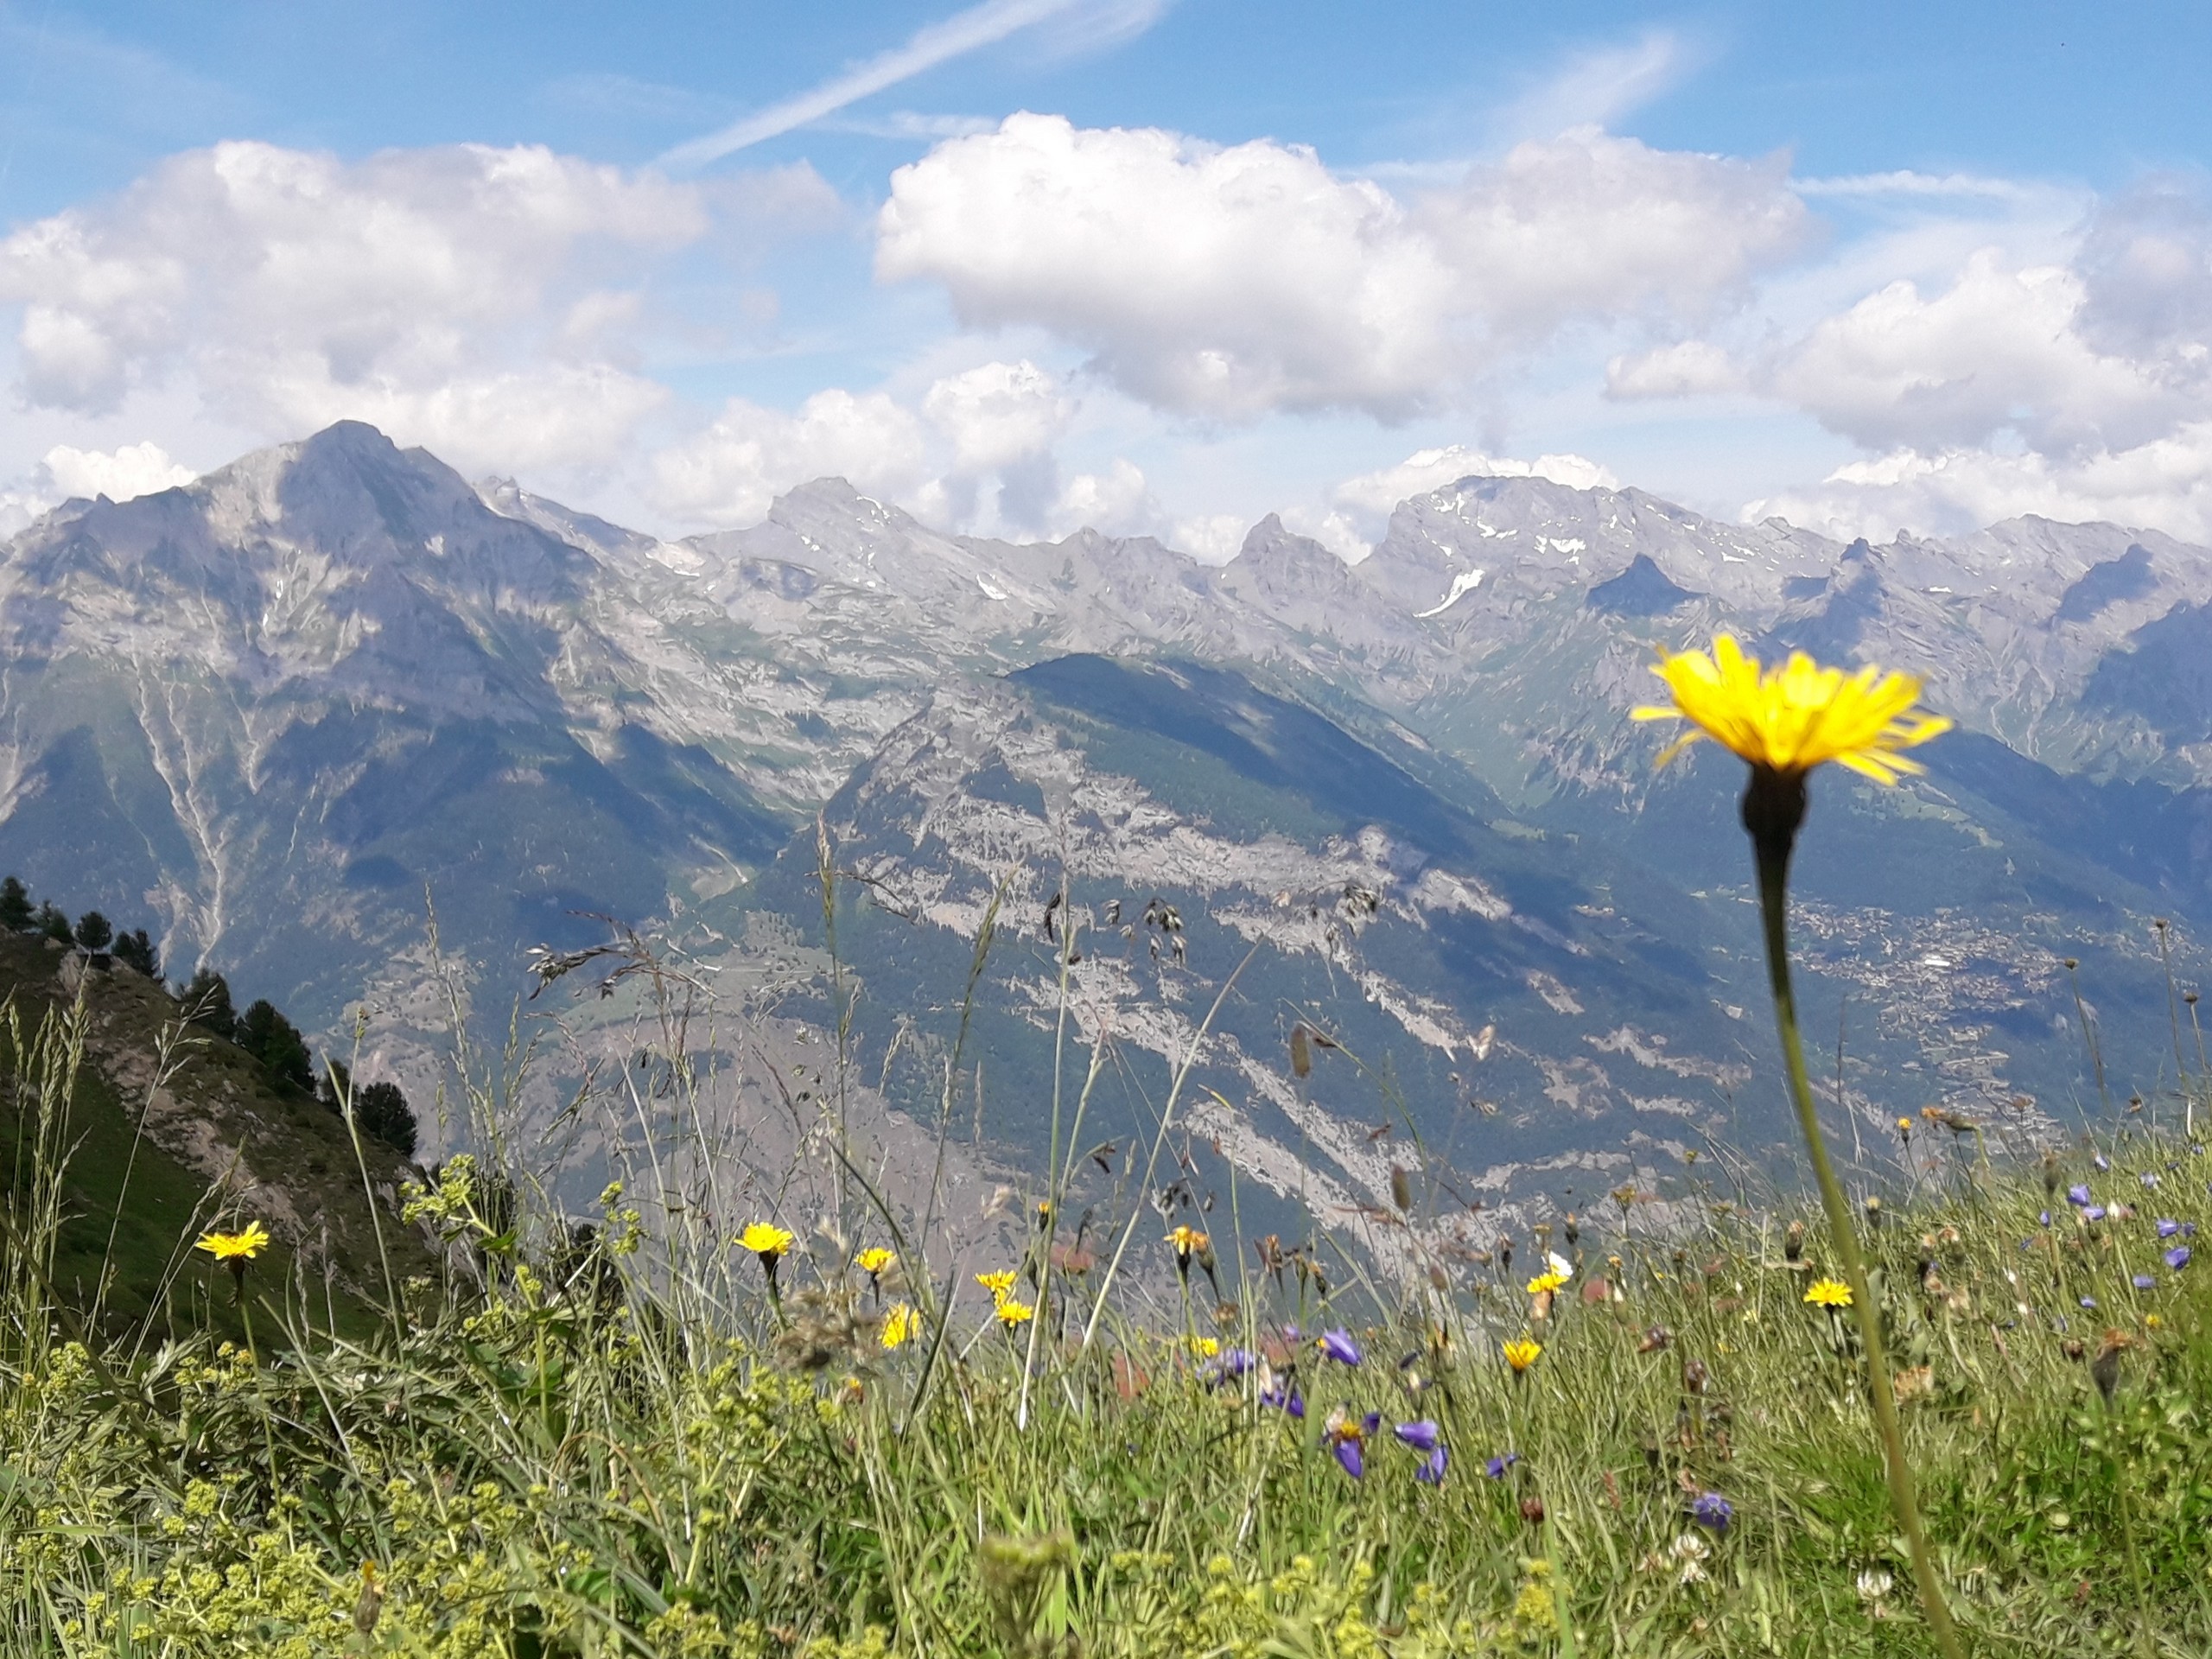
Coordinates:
x,y
1162,265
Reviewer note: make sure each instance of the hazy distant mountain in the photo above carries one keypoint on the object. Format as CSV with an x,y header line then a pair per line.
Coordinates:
x,y
269,710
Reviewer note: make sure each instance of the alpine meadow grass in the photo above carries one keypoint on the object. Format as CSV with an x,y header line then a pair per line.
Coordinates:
x,y
702,1422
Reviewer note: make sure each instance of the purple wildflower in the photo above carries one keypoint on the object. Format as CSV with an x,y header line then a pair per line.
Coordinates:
x,y
1229,1363
2178,1257
2144,1281
1348,1454
2094,1212
1421,1436
2101,1161
1431,1472
1285,1397
2089,1302
1495,1467
2078,1194
1339,1346
2168,1229
2042,1218
1712,1511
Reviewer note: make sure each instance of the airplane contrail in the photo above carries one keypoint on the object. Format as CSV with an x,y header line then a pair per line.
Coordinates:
x,y
936,43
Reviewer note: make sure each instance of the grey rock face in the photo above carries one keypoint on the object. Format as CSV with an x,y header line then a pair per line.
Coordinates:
x,y
267,712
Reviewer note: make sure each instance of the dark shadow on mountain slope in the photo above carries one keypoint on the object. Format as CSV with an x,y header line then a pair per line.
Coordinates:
x,y
2107,583
1642,589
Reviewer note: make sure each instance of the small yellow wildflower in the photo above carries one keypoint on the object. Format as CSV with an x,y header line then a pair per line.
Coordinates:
x,y
901,1325
1207,1347
874,1259
1828,1293
765,1239
1011,1312
1521,1353
235,1247
1000,1284
1186,1240
1793,718
1544,1283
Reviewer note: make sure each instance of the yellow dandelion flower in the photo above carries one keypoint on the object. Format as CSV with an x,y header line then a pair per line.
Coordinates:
x,y
235,1247
874,1259
765,1239
1011,1312
1186,1240
1828,1293
1544,1283
1206,1347
901,1325
1794,717
1521,1354
1000,1284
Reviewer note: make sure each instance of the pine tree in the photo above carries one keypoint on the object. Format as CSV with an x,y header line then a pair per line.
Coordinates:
x,y
276,1043
135,950
51,922
94,932
381,1111
206,1001
16,913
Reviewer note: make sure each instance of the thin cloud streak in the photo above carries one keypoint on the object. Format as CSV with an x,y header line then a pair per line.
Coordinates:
x,y
1596,88
1908,183
935,44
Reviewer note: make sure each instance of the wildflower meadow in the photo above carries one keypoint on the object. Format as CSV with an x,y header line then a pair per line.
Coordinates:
x,y
1958,1410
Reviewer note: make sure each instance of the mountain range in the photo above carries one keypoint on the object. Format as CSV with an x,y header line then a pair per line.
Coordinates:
x,y
290,713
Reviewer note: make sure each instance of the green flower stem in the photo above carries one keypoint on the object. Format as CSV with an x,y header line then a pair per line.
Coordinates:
x,y
1773,833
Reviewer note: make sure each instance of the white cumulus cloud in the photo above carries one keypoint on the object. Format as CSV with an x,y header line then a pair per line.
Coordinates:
x,y
1230,283
481,301
728,475
1377,492
121,474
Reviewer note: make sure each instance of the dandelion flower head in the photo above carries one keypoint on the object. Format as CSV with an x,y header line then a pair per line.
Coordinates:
x,y
1521,1352
899,1325
1186,1240
1544,1283
1791,718
1011,1312
874,1259
235,1247
1000,1284
1828,1293
765,1239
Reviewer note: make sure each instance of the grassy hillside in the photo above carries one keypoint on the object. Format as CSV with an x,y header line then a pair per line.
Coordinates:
x,y
170,1131
587,1452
